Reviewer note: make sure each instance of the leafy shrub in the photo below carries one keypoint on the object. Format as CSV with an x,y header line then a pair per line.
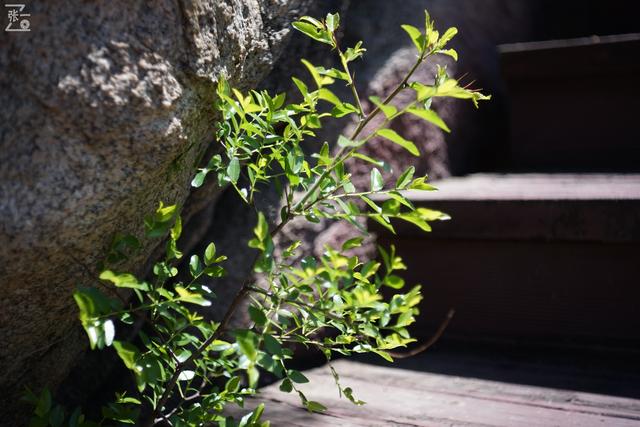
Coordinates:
x,y
186,368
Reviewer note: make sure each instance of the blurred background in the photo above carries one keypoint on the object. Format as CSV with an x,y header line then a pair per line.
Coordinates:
x,y
541,182
540,259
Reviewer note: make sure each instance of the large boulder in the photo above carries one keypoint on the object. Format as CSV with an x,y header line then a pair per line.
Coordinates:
x,y
106,109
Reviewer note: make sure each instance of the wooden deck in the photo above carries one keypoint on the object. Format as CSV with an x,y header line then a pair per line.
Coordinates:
x,y
404,397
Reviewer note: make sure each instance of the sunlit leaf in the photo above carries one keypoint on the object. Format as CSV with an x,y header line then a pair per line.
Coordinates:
x,y
430,116
416,36
392,136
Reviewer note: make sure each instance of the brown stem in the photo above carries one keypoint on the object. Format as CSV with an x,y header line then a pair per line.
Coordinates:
x,y
388,99
426,345
358,130
235,304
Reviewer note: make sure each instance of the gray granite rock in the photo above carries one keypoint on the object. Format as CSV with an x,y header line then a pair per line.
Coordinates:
x,y
105,110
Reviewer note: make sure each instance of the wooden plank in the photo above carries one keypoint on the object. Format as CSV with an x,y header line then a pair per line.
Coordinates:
x,y
533,186
570,207
398,397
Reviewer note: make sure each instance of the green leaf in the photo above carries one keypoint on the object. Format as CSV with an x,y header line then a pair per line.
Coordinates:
x,y
326,95
332,21
314,406
420,184
44,403
304,90
371,204
176,230
405,178
377,182
415,219
157,224
379,163
432,214
232,385
314,73
448,88
165,213
195,266
401,199
56,417
352,243
247,343
312,31
345,142
286,385
128,353
392,136
353,53
233,170
393,281
449,52
257,315
416,36
386,356
343,109
75,418
388,110
391,207
191,297
125,280
198,180
272,345
251,419
333,73
262,228
447,36
348,392
297,377
429,116
278,101
313,21
214,270
210,254
405,319
91,302
383,222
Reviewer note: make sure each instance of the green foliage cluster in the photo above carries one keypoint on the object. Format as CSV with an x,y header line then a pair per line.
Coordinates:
x,y
186,368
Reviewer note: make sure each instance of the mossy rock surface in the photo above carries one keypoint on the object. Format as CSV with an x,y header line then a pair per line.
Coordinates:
x,y
106,109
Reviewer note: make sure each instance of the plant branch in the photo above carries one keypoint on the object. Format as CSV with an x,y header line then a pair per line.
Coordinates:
x,y
339,155
429,343
222,327
389,98
295,302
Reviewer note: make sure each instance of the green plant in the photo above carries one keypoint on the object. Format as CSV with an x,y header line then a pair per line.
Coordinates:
x,y
186,368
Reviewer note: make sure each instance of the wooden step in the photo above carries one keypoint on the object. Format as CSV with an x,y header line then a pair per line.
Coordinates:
x,y
574,103
399,397
546,258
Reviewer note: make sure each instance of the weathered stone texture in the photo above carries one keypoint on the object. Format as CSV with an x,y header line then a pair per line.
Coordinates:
x,y
106,108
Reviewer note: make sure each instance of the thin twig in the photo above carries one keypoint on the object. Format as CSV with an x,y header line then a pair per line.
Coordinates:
x,y
222,327
427,344
357,131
